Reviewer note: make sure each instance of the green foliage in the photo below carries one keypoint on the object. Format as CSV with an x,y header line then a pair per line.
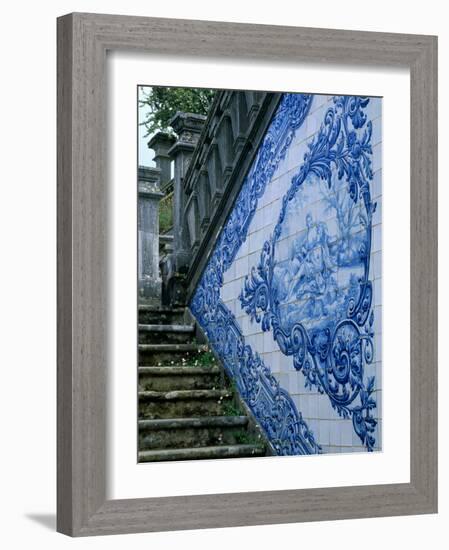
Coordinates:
x,y
243,438
163,103
230,409
246,438
166,213
201,359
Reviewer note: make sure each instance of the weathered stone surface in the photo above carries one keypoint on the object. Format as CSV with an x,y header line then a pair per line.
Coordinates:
x,y
183,403
188,409
161,143
165,244
188,127
162,315
210,164
179,370
192,432
148,235
152,354
173,348
220,451
153,334
186,329
206,422
177,378
179,395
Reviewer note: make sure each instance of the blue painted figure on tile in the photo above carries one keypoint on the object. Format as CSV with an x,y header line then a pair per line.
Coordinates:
x,y
311,287
325,260
318,301
312,264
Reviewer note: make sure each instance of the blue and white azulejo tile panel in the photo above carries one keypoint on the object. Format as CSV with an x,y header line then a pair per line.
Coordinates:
x,y
291,297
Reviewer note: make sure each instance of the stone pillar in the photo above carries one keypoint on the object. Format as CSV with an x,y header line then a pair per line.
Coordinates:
x,y
161,144
188,127
148,235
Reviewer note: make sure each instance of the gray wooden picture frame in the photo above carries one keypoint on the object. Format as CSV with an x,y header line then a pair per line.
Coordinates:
x,y
83,40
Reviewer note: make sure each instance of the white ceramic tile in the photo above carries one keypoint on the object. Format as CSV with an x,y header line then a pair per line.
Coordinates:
x,y
346,430
324,432
336,434
377,131
377,157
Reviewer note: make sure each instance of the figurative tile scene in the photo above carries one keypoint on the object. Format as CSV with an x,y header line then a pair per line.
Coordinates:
x,y
266,280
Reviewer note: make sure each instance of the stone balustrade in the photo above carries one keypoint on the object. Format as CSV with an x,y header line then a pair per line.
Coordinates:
x,y
211,158
233,130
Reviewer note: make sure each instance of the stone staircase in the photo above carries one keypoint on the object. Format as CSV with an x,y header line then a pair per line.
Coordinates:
x,y
188,408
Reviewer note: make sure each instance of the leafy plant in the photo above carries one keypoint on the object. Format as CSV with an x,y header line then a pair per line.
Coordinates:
x,y
230,409
245,438
166,213
201,359
162,103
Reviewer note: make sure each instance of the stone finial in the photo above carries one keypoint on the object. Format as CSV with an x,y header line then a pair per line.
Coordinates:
x,y
188,126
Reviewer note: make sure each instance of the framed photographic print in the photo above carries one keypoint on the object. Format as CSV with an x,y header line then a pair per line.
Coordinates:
x,y
247,274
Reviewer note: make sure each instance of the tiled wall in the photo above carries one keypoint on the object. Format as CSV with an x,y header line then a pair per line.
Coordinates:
x,y
312,244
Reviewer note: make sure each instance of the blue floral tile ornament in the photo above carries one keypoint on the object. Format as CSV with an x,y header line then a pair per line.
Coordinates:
x,y
271,405
315,295
289,116
311,287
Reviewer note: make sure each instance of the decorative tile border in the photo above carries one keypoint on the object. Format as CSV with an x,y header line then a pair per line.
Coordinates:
x,y
271,405
331,355
332,350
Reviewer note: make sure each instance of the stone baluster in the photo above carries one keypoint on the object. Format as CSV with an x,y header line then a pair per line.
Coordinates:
x,y
188,127
161,143
149,279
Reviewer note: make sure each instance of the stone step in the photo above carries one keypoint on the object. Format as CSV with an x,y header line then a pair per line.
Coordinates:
x,y
164,370
158,334
188,409
192,432
167,378
167,328
183,403
199,453
162,315
152,354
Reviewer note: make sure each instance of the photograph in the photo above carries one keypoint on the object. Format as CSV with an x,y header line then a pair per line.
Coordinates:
x,y
259,295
